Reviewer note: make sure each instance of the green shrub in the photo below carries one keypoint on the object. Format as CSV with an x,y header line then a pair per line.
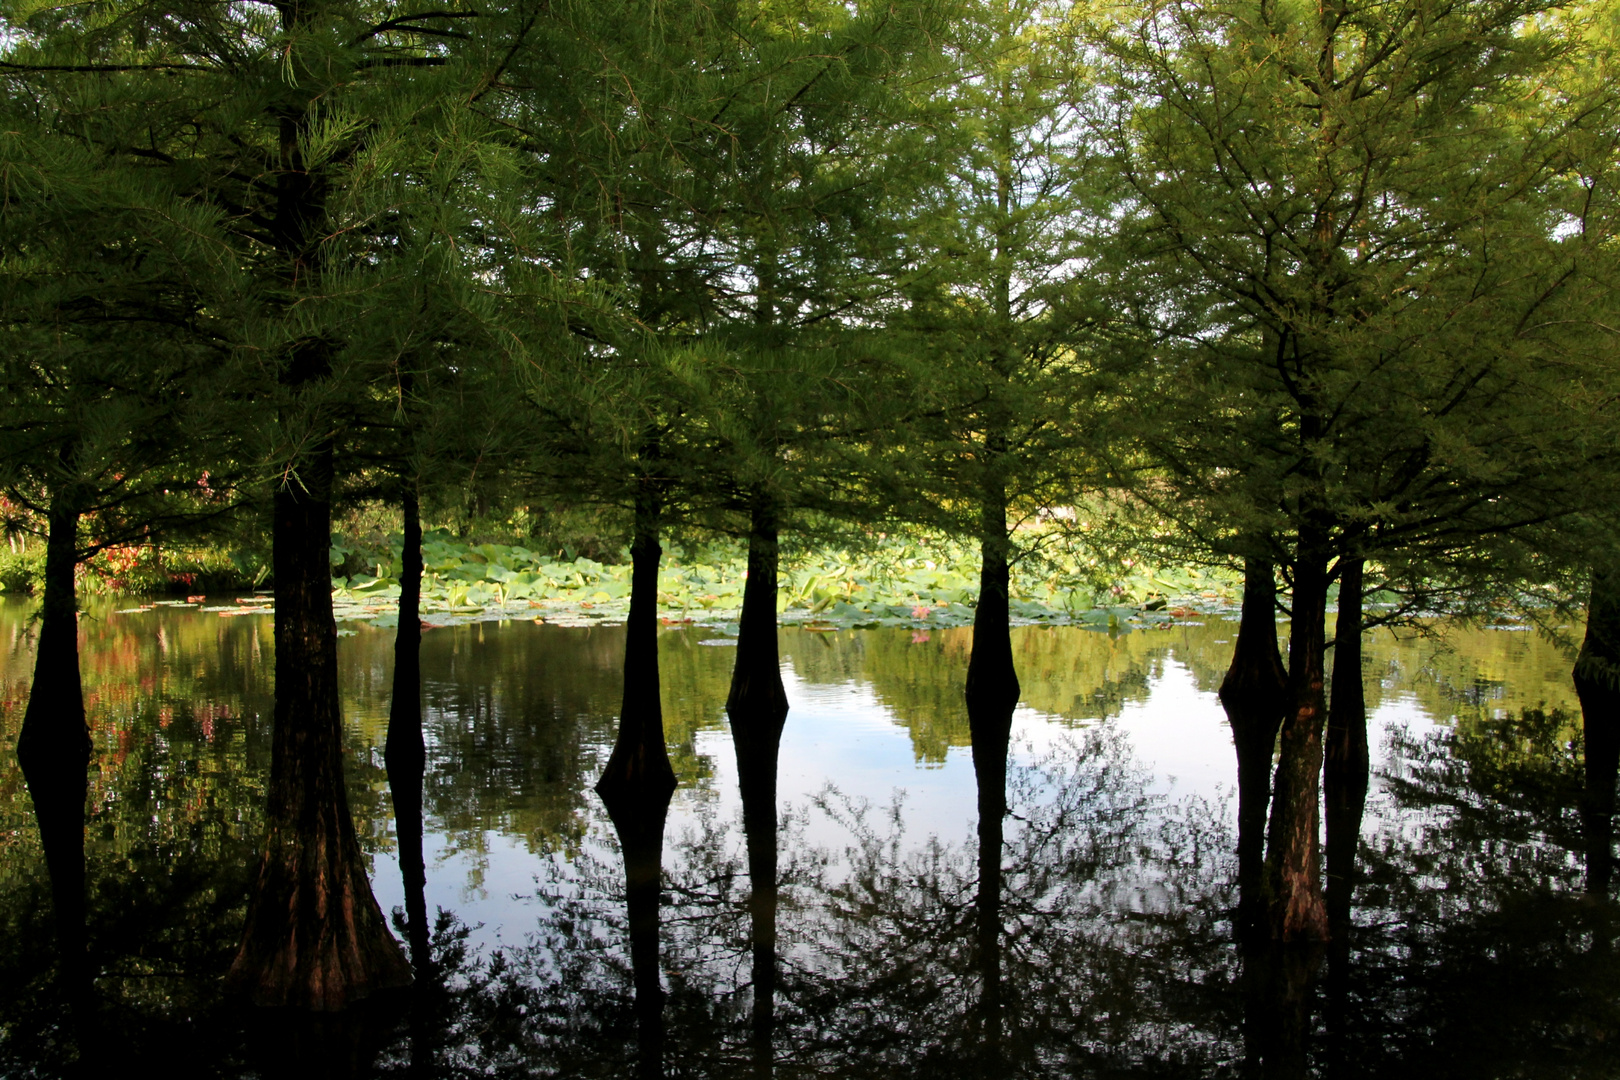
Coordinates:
x,y
22,572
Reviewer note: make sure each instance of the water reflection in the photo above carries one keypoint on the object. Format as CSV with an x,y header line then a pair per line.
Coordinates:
x,y
1084,932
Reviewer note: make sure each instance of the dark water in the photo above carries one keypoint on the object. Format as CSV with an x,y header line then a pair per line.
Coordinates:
x,y
1104,952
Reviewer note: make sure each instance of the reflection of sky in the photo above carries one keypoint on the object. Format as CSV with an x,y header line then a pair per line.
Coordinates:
x,y
840,733
837,733
1180,735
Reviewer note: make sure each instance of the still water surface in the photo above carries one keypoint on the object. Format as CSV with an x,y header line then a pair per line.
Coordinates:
x,y
1475,953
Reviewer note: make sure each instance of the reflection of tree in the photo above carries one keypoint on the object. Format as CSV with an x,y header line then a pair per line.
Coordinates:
x,y
178,707
1113,952
518,716
1487,806
1468,672
1473,955
1109,910
1065,672
1477,955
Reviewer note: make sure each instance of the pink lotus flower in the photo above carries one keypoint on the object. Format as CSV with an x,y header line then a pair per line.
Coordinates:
x,y
921,611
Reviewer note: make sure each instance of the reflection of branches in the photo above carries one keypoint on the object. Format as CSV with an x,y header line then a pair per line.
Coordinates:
x,y
1503,793
1477,953
1112,918
1105,890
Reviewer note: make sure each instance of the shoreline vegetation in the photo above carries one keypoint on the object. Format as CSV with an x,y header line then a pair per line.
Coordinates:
x,y
922,582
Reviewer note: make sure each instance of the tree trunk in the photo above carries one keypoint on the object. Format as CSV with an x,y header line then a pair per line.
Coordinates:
x,y
1345,774
1254,695
1597,683
992,679
315,937
1278,982
639,768
638,816
406,753
757,707
638,781
756,679
1347,760
53,747
1294,858
991,731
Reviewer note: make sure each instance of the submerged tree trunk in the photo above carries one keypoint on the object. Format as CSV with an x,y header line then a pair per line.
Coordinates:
x,y
991,730
638,781
1597,683
1278,982
1347,760
757,707
639,765
1254,695
1345,771
53,747
315,937
992,678
638,818
406,753
1293,857
756,679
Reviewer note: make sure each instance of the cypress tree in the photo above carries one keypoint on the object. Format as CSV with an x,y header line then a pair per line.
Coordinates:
x,y
1338,240
111,290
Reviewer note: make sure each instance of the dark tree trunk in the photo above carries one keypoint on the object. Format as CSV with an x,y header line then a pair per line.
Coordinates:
x,y
991,730
1254,695
1347,760
1294,857
638,770
756,680
1597,683
405,753
1345,773
992,678
315,937
638,817
757,707
638,781
1277,1010
53,747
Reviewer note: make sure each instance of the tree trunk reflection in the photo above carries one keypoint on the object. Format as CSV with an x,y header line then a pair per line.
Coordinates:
x,y
54,746
1253,695
1597,682
757,708
991,727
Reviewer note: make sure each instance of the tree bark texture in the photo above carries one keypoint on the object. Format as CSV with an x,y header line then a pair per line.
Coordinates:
x,y
992,678
757,707
53,746
315,937
638,770
1293,857
1597,683
1254,695
406,753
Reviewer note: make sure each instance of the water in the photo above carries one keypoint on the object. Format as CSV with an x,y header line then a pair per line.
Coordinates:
x,y
1475,952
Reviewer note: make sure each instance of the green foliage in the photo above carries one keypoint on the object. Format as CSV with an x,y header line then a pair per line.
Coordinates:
x,y
923,583
1361,269
22,571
